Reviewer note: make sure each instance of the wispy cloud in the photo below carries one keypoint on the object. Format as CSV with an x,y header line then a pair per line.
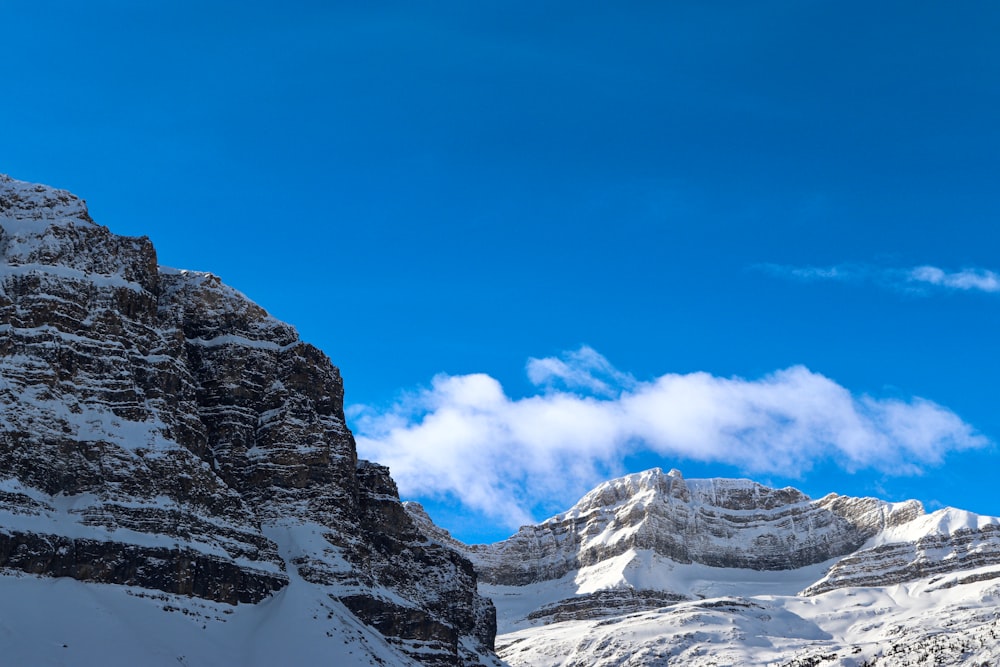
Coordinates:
x,y
465,438
980,280
844,272
580,369
916,280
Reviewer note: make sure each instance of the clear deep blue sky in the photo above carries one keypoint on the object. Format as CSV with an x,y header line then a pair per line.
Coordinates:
x,y
456,187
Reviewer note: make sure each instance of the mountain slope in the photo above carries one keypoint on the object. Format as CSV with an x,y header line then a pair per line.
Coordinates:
x,y
160,431
655,569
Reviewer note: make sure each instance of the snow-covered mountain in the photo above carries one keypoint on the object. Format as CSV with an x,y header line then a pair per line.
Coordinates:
x,y
178,486
653,569
177,482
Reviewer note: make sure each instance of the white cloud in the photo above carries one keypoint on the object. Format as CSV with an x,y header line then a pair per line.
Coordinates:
x,y
917,280
581,369
465,438
967,279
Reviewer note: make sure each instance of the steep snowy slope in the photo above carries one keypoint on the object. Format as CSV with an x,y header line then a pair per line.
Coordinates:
x,y
654,569
895,626
160,431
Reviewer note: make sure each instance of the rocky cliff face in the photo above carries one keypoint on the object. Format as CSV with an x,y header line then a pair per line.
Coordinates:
x,y
720,523
158,429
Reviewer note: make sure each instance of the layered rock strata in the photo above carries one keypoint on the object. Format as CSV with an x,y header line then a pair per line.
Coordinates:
x,y
945,542
158,429
638,542
722,523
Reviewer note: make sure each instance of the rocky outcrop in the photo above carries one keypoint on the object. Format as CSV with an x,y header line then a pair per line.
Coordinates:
x,y
158,429
604,603
439,581
185,571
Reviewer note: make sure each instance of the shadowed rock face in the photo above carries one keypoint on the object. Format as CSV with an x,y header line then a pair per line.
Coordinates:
x,y
156,424
184,571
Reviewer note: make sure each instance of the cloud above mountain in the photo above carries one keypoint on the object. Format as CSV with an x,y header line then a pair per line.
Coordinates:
x,y
465,438
921,280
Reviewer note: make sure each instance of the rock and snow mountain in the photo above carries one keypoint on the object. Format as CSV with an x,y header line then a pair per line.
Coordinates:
x,y
653,569
167,442
178,486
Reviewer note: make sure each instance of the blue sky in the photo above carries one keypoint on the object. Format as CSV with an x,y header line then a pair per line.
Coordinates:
x,y
767,197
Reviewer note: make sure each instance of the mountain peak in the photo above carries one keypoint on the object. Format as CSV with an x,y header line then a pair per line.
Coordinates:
x,y
48,237
653,486
650,564
32,202
719,523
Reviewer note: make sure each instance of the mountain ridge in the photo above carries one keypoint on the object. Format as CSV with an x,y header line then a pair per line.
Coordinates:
x,y
642,561
700,521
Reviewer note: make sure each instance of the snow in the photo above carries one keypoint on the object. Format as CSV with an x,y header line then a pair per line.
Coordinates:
x,y
645,570
945,522
231,339
849,626
65,272
618,610
88,423
63,622
27,220
31,205
66,516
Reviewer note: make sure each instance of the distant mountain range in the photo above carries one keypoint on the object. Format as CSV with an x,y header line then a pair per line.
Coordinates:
x,y
178,486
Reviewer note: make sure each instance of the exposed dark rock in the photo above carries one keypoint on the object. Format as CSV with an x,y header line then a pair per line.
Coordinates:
x,y
604,603
436,576
183,571
145,406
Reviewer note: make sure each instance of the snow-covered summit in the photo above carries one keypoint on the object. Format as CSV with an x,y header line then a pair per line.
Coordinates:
x,y
47,235
734,523
652,568
655,486
29,203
